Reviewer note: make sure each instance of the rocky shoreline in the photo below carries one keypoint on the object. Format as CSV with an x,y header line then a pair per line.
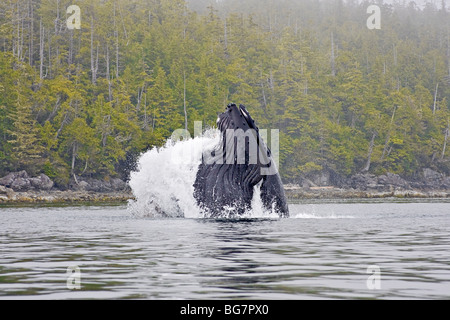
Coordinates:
x,y
66,197
325,185
297,193
292,193
20,188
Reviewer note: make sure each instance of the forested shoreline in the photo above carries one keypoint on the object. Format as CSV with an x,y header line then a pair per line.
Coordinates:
x,y
348,101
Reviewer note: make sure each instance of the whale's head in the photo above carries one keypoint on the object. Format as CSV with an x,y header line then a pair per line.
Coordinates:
x,y
241,142
234,118
229,173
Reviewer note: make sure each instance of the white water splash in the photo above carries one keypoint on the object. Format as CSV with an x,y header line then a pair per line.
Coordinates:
x,y
306,215
311,212
163,184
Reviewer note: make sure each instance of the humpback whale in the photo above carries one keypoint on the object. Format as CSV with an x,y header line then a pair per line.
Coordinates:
x,y
228,174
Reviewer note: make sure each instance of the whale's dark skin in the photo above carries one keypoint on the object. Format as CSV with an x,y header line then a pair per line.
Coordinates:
x,y
226,187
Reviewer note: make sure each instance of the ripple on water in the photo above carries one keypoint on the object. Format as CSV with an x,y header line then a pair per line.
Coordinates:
x,y
323,251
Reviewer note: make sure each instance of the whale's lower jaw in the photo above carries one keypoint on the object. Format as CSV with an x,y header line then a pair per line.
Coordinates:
x,y
219,190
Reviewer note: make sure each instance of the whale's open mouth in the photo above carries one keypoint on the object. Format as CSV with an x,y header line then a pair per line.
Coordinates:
x,y
230,172
241,143
235,117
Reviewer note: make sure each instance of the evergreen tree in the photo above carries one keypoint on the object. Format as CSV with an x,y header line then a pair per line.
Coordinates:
x,y
25,143
345,99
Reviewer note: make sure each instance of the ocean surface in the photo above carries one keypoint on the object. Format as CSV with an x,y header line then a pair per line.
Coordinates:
x,y
325,250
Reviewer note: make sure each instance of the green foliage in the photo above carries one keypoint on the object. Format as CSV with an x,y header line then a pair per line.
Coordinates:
x,y
49,170
345,98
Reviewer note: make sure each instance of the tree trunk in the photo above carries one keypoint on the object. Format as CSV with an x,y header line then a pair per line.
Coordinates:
x,y
57,16
395,54
31,34
333,58
123,25
153,119
225,34
139,97
388,136
19,34
184,101
106,129
94,65
448,51
446,135
117,56
63,123
264,95
74,155
70,55
369,155
145,126
435,97
116,36
108,75
41,50
13,40
49,68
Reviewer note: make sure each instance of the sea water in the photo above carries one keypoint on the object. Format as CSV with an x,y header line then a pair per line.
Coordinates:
x,y
324,250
